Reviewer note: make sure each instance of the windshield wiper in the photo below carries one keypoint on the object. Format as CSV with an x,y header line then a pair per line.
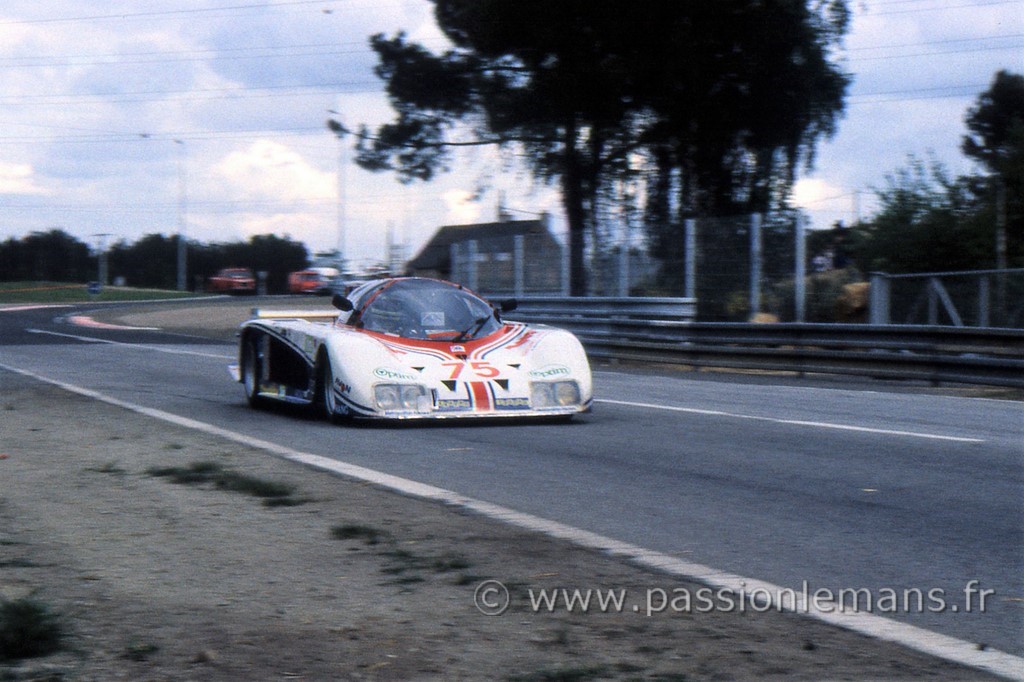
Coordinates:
x,y
471,332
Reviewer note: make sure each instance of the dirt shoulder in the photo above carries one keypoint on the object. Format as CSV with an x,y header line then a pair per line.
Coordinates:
x,y
154,580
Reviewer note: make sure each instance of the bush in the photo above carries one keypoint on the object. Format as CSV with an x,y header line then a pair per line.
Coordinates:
x,y
28,629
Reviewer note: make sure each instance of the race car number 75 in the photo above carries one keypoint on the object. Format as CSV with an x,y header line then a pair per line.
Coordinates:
x,y
482,369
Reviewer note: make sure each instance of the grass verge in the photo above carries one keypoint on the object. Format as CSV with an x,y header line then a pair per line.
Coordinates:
x,y
273,493
65,292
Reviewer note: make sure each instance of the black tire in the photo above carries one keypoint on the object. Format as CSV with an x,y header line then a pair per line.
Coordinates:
x,y
326,401
251,368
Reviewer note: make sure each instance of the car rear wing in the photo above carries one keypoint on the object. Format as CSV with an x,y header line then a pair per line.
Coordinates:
x,y
310,315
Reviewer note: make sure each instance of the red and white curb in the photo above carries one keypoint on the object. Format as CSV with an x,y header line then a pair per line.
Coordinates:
x,y
86,321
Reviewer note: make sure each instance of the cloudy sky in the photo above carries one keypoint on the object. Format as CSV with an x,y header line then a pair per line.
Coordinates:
x,y
121,117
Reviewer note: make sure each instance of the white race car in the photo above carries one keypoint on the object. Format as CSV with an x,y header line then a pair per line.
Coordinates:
x,y
413,348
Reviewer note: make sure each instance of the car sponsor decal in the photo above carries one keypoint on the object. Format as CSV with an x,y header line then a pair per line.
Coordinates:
x,y
511,403
454,404
393,374
550,372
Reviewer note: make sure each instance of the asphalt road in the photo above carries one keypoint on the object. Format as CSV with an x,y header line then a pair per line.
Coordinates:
x,y
841,487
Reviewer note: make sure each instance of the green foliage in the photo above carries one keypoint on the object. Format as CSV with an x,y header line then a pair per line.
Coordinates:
x,y
352,531
726,97
996,140
996,125
28,629
62,292
927,223
151,261
54,256
273,493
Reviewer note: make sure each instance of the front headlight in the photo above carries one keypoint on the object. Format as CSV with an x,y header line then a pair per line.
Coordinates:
x,y
405,397
554,394
567,393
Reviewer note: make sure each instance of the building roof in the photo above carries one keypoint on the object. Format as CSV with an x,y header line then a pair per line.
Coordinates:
x,y
436,254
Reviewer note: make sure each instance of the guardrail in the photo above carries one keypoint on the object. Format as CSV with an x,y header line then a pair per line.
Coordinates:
x,y
662,331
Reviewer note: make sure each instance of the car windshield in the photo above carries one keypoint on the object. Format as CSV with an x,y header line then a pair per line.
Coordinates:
x,y
427,309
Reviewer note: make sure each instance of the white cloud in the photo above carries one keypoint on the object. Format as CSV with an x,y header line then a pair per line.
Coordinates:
x,y
462,205
248,89
270,170
17,178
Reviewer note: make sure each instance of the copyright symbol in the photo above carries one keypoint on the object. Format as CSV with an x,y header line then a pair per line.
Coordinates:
x,y
491,598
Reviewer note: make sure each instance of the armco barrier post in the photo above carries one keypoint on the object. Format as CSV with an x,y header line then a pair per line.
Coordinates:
x,y
879,298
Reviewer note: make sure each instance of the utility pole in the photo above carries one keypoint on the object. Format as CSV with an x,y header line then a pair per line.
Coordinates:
x,y
102,257
182,217
1002,261
340,131
756,256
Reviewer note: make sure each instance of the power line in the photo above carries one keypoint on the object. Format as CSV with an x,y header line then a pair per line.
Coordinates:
x,y
939,53
163,13
929,43
944,8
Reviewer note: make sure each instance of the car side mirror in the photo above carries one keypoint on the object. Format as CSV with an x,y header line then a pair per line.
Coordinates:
x,y
508,306
341,303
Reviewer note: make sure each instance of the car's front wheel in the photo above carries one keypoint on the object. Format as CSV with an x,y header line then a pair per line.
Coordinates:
x,y
251,368
326,397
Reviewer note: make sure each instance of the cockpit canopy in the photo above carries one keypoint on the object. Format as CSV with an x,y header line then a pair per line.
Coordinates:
x,y
425,309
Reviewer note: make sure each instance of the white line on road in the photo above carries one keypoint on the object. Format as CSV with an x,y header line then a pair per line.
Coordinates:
x,y
932,643
792,422
86,321
648,406
139,346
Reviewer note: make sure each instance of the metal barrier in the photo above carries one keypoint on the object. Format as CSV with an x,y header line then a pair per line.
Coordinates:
x,y
981,298
661,330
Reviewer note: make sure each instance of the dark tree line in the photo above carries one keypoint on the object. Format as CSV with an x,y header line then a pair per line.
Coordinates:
x,y
149,262
713,103
53,256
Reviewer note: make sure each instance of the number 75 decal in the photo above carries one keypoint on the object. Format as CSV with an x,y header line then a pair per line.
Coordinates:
x,y
482,369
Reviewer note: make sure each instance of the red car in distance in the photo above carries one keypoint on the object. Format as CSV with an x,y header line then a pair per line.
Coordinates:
x,y
232,281
311,281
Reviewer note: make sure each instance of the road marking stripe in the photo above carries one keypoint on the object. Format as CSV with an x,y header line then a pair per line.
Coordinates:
x,y
792,422
140,346
910,636
29,306
86,321
652,406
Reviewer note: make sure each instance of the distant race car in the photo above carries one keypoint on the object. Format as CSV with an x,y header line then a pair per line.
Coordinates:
x,y
311,281
413,348
232,281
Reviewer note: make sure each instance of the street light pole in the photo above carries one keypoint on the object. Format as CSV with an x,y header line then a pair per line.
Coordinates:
x,y
182,217
340,131
102,257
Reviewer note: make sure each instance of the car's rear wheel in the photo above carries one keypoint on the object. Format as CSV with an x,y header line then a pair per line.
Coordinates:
x,y
251,368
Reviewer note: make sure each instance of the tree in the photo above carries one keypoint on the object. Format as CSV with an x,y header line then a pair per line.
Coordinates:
x,y
927,222
149,262
48,256
277,256
996,141
744,110
587,87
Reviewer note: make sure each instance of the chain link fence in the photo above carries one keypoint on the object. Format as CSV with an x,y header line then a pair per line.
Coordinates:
x,y
511,265
741,269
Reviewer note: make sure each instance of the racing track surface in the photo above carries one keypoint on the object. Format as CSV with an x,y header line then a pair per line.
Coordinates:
x,y
778,480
